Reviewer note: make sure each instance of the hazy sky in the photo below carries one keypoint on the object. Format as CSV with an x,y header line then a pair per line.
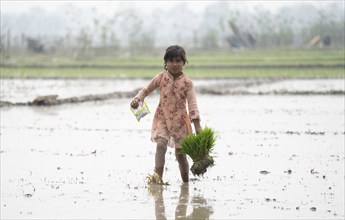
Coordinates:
x,y
108,6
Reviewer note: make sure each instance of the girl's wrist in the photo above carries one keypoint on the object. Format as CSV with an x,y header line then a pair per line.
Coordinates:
x,y
197,125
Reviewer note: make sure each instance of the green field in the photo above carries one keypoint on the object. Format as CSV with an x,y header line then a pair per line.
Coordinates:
x,y
224,64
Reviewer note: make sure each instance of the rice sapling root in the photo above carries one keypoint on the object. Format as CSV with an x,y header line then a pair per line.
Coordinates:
x,y
200,167
198,147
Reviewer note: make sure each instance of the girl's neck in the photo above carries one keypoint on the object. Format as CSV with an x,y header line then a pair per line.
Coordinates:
x,y
175,76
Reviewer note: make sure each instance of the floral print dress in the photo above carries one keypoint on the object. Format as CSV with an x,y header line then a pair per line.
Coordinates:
x,y
171,121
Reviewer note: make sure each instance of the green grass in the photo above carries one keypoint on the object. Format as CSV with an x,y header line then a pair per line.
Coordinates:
x,y
77,72
149,73
259,56
154,64
270,57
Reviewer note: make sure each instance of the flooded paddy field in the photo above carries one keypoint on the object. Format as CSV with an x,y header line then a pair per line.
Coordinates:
x,y
279,153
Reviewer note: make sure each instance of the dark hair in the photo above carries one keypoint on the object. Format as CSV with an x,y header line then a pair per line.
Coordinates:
x,y
175,51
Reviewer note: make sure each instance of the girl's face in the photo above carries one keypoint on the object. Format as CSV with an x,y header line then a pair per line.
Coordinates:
x,y
175,65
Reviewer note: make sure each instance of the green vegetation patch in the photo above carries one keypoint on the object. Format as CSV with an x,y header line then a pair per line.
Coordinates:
x,y
273,63
191,72
198,147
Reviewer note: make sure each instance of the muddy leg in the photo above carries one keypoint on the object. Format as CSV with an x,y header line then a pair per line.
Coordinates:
x,y
183,164
161,149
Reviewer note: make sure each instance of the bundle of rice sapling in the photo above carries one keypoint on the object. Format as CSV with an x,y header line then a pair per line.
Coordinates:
x,y
199,147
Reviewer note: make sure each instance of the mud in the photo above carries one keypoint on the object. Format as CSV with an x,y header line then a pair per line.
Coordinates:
x,y
77,90
277,156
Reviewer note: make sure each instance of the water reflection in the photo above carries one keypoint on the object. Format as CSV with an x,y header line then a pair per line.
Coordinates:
x,y
201,210
181,208
157,192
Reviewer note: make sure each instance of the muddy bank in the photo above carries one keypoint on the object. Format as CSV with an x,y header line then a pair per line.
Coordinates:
x,y
274,87
50,100
67,91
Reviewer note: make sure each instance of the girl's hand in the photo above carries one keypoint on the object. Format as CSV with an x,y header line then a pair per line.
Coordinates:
x,y
197,125
135,103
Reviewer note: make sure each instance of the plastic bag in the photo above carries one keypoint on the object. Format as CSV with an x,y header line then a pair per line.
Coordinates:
x,y
141,111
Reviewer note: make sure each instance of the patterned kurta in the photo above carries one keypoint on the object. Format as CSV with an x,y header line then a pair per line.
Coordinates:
x,y
171,121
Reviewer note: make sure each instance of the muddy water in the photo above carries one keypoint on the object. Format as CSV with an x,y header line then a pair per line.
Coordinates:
x,y
277,156
17,90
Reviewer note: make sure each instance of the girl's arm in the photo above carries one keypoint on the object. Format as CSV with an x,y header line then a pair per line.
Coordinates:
x,y
194,114
144,92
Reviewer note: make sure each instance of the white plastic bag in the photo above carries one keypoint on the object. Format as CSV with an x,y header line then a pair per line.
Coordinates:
x,y
141,111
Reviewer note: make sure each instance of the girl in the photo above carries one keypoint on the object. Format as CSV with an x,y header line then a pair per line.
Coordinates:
x,y
171,122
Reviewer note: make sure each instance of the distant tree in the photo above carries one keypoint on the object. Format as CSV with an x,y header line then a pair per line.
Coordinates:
x,y
84,41
34,45
209,41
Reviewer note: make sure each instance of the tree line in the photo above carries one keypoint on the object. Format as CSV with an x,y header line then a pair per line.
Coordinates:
x,y
221,25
